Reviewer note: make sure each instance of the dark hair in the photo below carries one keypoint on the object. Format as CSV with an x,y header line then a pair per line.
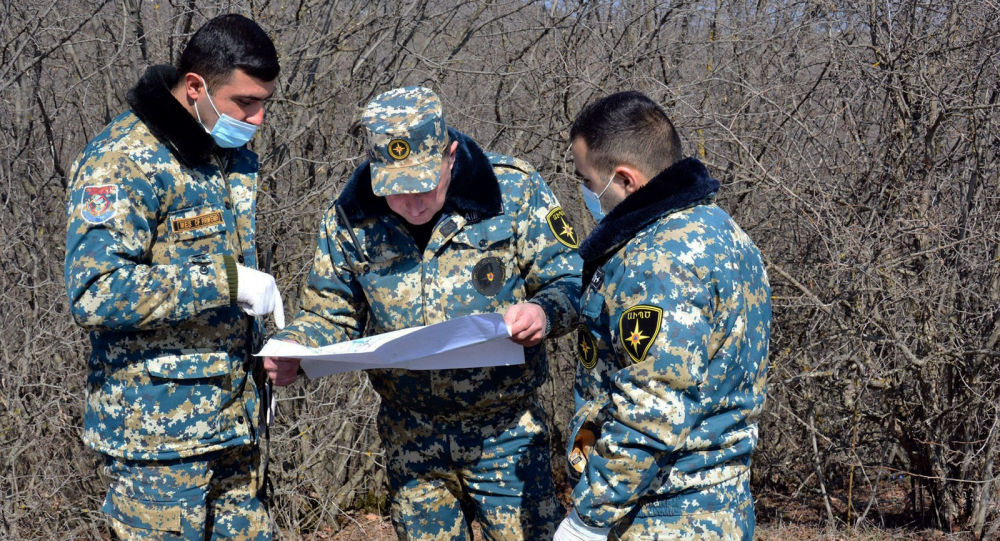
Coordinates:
x,y
225,43
630,128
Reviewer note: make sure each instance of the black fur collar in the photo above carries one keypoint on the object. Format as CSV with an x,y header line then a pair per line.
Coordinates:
x,y
169,121
474,191
680,186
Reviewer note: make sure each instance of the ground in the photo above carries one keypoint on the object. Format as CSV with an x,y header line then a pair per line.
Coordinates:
x,y
780,518
371,527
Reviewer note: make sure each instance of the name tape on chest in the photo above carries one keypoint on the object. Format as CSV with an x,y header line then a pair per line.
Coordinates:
x,y
201,221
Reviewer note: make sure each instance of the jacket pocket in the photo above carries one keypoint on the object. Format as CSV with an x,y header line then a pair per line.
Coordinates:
x,y
592,305
144,516
389,281
486,236
183,406
482,269
190,232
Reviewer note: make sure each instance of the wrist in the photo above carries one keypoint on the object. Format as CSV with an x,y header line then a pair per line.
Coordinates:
x,y
585,529
587,522
545,316
593,528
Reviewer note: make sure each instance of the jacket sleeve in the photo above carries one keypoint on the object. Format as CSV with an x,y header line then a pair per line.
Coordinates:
x,y
592,384
333,306
551,268
112,217
654,402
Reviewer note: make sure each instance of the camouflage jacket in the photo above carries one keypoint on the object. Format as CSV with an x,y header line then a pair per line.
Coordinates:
x,y
502,239
157,218
672,354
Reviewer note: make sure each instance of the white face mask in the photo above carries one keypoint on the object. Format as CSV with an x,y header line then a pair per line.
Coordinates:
x,y
593,200
227,132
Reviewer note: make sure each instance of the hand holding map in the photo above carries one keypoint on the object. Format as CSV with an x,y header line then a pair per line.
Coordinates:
x,y
466,342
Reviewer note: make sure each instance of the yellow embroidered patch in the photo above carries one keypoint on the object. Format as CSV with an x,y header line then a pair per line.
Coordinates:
x,y
561,229
638,328
399,149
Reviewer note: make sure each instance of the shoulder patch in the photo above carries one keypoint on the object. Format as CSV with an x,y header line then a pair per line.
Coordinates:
x,y
560,227
638,328
97,203
501,160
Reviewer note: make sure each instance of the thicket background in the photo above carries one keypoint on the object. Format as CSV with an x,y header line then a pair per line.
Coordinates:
x,y
857,142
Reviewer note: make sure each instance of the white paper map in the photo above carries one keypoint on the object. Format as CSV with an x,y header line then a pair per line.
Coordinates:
x,y
465,342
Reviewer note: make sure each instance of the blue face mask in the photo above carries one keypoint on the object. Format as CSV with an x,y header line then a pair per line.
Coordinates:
x,y
593,200
227,132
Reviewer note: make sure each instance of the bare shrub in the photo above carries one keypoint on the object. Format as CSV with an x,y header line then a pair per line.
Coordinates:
x,y
857,142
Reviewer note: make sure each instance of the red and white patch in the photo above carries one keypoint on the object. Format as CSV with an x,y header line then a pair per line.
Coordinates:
x,y
97,203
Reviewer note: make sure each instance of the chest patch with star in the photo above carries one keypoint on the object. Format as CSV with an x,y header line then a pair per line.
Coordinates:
x,y
638,328
560,227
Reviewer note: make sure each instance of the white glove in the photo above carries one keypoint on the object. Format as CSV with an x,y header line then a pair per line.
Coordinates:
x,y
572,528
257,294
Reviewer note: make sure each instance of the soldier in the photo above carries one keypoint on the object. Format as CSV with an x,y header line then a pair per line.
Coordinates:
x,y
160,264
431,228
672,353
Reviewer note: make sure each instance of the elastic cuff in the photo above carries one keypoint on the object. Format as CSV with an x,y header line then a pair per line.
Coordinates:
x,y
231,277
294,335
592,528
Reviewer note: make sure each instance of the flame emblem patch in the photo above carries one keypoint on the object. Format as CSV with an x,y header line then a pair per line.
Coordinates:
x,y
638,328
586,348
560,227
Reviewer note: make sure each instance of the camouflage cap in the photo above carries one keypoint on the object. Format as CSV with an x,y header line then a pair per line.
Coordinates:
x,y
406,136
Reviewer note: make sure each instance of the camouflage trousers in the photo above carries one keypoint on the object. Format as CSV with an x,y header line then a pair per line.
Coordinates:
x,y
212,496
491,469
720,513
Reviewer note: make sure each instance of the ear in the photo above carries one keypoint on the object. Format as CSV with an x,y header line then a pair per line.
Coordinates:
x,y
632,179
193,85
451,154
